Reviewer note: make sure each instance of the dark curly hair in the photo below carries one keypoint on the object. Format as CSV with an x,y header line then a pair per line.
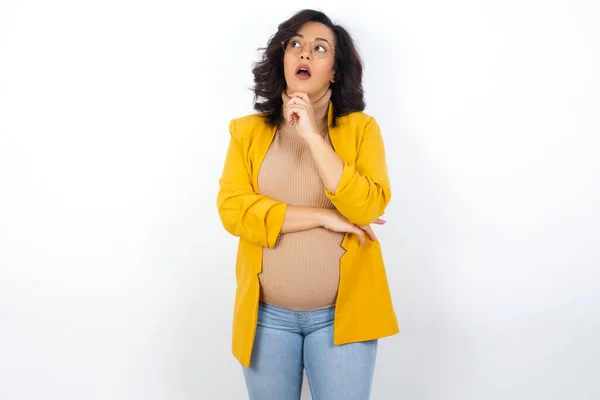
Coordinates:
x,y
347,93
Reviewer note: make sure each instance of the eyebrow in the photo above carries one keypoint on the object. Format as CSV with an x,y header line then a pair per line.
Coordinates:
x,y
317,38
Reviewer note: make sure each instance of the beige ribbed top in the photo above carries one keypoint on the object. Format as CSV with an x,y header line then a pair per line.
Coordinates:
x,y
302,271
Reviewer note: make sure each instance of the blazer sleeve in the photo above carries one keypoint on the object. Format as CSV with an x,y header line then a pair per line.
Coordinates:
x,y
243,212
364,189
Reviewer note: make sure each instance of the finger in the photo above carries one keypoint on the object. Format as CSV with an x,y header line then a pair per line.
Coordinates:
x,y
361,234
372,234
369,232
288,114
295,112
299,112
301,96
297,100
292,109
379,221
298,105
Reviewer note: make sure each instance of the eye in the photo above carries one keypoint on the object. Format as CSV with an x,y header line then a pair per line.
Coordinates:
x,y
294,44
320,47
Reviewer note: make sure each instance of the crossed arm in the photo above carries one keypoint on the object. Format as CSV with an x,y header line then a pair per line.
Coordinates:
x,y
359,190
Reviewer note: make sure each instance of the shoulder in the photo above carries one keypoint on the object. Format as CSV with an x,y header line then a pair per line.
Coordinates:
x,y
247,126
357,117
358,122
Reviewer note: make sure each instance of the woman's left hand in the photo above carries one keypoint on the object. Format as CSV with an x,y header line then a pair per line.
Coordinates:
x,y
369,231
299,113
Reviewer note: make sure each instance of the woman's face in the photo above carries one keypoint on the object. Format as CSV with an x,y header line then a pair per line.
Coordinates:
x,y
308,60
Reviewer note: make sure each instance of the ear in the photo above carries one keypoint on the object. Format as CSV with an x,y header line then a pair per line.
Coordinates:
x,y
332,77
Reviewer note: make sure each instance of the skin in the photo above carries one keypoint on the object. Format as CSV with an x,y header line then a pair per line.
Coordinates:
x,y
322,69
300,114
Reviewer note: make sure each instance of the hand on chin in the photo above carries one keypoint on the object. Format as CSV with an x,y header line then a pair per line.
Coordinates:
x,y
299,112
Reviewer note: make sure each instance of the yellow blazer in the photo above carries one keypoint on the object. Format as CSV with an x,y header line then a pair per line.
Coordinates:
x,y
364,308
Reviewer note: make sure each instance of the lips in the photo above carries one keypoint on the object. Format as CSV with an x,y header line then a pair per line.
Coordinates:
x,y
303,71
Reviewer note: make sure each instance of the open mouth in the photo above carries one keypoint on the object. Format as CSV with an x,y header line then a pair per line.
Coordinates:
x,y
303,72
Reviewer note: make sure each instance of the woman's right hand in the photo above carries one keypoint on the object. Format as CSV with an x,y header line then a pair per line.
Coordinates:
x,y
335,221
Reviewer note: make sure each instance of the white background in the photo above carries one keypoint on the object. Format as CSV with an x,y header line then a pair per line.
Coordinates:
x,y
117,278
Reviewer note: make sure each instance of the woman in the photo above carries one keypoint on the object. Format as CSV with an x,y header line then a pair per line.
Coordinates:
x,y
303,180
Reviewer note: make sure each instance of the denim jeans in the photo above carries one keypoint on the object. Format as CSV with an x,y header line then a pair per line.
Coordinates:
x,y
287,342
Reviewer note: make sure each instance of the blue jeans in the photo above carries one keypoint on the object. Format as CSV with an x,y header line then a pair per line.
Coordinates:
x,y
287,342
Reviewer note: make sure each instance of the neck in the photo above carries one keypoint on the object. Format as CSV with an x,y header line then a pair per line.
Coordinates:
x,y
320,107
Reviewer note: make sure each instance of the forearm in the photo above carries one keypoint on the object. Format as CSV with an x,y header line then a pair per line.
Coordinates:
x,y
359,188
328,163
302,218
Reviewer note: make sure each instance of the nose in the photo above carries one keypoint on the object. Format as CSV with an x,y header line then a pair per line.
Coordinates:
x,y
305,53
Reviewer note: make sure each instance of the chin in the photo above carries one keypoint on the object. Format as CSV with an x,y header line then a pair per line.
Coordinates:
x,y
304,88
297,85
